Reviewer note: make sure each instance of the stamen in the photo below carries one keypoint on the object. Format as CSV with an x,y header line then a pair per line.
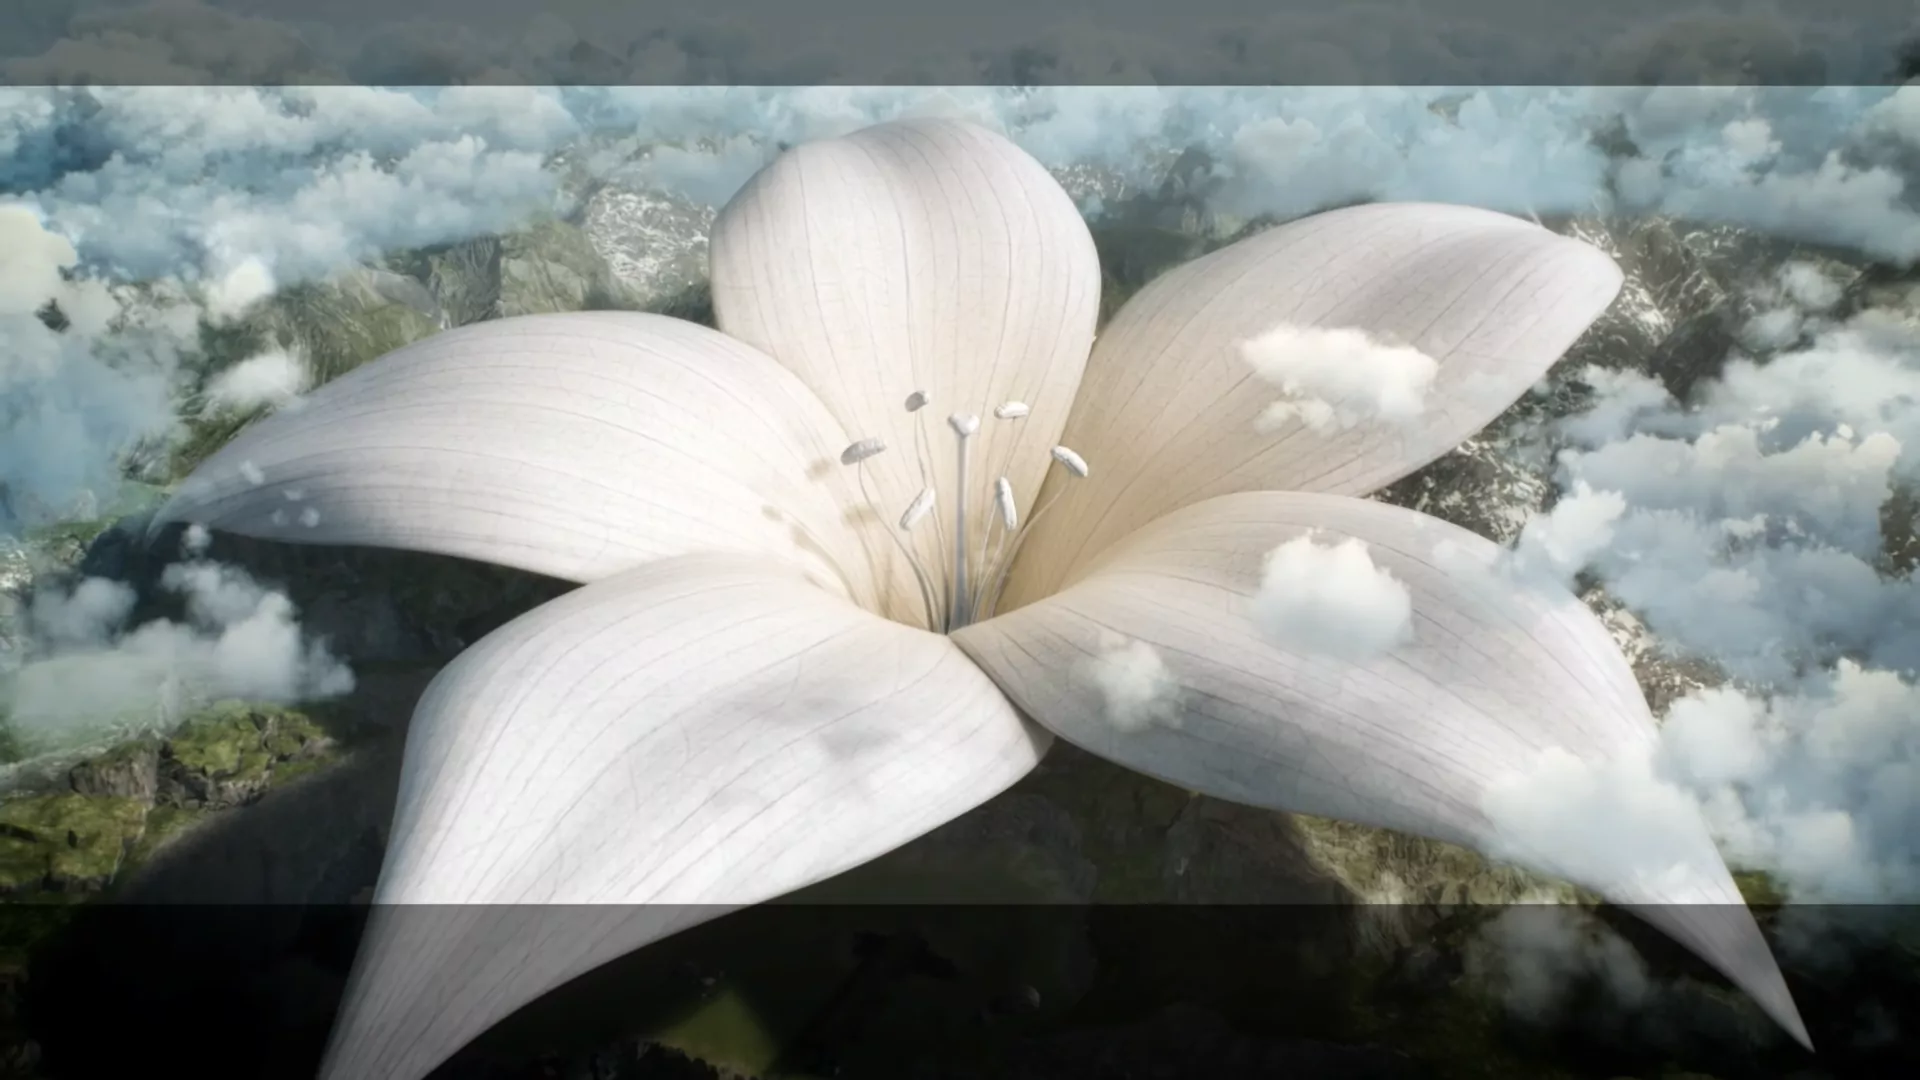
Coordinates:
x,y
1009,518
920,507
990,598
919,573
1008,410
1003,497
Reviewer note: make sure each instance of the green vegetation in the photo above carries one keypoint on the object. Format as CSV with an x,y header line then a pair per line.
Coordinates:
x,y
119,806
65,842
1759,888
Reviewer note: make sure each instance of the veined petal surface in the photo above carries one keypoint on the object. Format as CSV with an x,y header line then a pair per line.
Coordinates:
x,y
1335,353
918,255
576,445
1340,657
700,731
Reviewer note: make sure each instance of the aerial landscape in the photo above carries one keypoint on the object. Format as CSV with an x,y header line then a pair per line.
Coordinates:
x,y
1682,454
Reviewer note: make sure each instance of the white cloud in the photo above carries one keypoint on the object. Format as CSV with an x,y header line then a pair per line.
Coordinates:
x,y
89,674
92,610
1605,824
1335,379
1623,400
1820,784
239,289
272,378
1773,329
31,259
1751,537
1829,483
1137,690
1538,954
1563,541
1808,286
74,401
1331,599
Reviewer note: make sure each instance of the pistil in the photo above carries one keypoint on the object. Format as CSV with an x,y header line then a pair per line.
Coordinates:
x,y
964,425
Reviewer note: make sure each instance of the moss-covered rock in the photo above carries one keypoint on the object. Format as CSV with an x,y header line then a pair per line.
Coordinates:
x,y
164,824
66,842
230,754
128,771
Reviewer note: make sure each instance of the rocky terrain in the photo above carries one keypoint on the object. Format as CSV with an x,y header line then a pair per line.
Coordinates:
x,y
1210,921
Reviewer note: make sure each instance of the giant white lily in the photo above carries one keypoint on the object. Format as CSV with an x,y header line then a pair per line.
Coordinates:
x,y
794,649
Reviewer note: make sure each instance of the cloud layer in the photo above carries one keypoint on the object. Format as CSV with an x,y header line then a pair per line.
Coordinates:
x,y
91,673
1746,527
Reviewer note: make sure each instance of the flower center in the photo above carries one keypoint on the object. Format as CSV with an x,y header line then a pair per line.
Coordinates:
x,y
974,580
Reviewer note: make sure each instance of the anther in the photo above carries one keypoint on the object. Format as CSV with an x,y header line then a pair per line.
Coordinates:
x,y
1075,464
916,401
1003,497
1012,410
860,451
963,424
920,507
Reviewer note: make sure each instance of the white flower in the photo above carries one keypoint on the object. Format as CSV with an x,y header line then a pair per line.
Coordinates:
x,y
744,697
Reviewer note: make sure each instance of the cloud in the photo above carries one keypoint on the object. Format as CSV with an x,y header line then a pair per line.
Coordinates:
x,y
89,674
1623,401
1565,540
272,378
1820,785
75,400
1335,379
1537,956
1605,824
1137,689
1830,486
31,259
92,610
245,284
1750,535
1331,599
1809,286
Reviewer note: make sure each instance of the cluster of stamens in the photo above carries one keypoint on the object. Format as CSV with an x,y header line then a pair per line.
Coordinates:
x,y
957,601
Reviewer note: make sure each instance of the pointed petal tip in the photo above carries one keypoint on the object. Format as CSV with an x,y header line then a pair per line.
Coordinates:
x,y
1777,1002
1795,1027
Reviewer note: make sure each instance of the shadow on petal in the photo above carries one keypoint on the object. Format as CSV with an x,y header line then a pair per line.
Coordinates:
x,y
643,754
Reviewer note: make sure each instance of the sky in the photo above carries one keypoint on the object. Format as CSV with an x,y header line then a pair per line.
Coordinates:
x,y
1741,525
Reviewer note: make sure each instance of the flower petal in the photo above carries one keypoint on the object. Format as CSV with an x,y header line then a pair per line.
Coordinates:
x,y
1336,353
918,255
574,445
698,734
1388,669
